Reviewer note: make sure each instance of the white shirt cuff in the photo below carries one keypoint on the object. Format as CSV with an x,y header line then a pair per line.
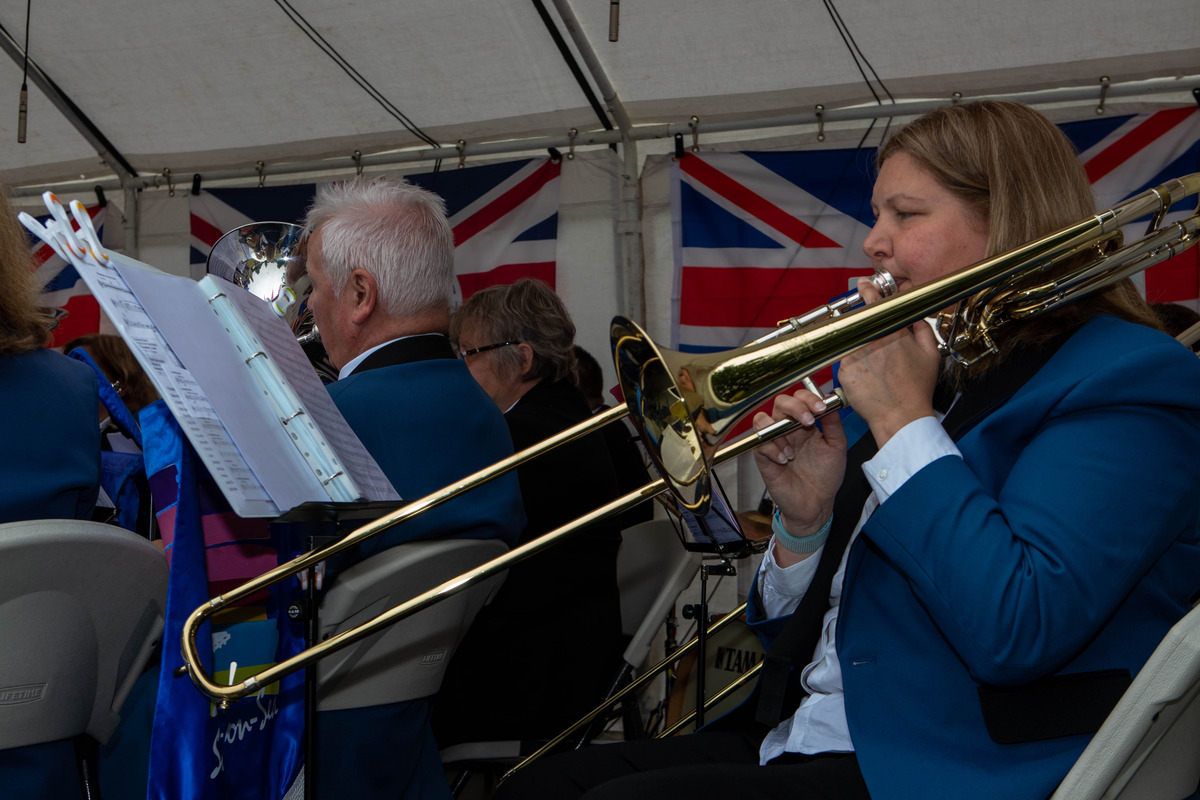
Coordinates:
x,y
782,587
917,444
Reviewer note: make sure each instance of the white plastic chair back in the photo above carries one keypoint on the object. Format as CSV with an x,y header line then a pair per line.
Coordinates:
x,y
81,612
653,569
408,659
1149,747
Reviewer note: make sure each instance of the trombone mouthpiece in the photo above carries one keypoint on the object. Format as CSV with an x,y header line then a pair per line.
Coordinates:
x,y
884,282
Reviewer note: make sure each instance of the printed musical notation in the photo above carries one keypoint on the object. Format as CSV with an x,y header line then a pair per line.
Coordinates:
x,y
231,373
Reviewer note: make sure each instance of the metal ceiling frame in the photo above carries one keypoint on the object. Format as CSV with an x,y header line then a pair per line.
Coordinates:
x,y
127,177
637,133
94,136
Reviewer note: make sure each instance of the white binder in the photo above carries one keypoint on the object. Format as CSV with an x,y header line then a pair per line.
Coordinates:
x,y
234,377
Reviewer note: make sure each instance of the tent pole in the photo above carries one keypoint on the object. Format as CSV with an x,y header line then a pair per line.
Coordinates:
x,y
631,286
631,290
607,92
132,214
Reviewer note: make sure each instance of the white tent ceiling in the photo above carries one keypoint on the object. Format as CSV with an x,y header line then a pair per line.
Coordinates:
x,y
214,87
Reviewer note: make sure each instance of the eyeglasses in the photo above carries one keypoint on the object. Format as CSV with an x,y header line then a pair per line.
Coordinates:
x,y
474,350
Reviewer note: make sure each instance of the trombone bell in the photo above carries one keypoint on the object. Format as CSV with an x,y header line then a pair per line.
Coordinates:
x,y
665,415
683,404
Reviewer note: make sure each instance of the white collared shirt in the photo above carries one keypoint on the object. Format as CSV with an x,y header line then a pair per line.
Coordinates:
x,y
353,363
819,724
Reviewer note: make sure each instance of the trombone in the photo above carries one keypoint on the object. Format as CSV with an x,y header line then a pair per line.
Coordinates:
x,y
683,404
640,681
193,666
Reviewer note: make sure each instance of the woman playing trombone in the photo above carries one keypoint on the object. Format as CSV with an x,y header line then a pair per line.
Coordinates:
x,y
954,602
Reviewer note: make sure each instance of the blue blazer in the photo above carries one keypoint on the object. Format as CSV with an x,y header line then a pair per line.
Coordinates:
x,y
428,423
1066,540
51,409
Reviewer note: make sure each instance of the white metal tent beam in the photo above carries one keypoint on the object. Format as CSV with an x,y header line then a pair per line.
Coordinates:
x,y
104,148
127,178
663,131
628,225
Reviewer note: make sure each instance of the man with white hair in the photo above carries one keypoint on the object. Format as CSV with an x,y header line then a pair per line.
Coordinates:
x,y
380,255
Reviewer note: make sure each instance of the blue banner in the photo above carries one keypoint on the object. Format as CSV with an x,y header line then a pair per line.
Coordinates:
x,y
253,750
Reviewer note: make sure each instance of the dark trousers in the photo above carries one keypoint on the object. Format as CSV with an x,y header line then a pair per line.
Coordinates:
x,y
710,765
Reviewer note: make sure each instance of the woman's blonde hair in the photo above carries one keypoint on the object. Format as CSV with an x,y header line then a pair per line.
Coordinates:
x,y
1021,173
24,325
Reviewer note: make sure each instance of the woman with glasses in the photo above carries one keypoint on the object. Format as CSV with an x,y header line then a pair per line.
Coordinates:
x,y
531,665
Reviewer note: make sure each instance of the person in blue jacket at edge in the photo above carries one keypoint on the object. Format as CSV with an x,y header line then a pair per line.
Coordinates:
x,y
380,256
953,603
52,464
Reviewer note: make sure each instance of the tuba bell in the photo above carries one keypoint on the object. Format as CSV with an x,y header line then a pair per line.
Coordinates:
x,y
265,259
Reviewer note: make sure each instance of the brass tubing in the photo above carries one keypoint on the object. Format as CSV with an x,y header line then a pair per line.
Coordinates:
x,y
1190,336
1125,262
729,689
631,687
271,674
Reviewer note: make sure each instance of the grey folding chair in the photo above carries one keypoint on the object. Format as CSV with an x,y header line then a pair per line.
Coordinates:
x,y
81,613
408,659
1149,746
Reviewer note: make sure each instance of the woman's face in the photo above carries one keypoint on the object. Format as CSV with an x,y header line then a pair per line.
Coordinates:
x,y
503,389
922,230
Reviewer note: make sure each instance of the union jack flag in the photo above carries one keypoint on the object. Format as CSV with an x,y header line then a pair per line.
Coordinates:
x,y
63,290
504,217
505,220
760,237
1129,155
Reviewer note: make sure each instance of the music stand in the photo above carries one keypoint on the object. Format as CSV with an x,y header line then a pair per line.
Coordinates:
x,y
305,528
716,535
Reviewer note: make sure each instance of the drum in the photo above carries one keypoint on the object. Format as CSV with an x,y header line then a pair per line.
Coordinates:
x,y
734,650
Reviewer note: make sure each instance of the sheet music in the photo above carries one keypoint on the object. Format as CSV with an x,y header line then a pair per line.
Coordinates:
x,y
224,385
719,526
180,310
278,340
183,395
